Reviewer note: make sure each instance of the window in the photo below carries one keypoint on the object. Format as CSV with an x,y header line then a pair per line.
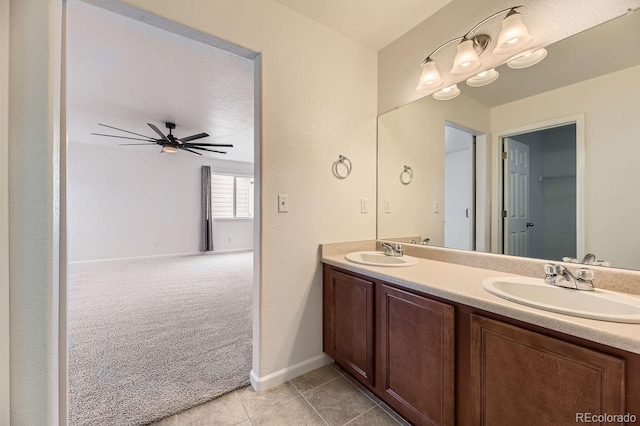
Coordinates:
x,y
231,196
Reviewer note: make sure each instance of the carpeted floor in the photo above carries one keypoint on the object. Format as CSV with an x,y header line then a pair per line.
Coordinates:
x,y
152,337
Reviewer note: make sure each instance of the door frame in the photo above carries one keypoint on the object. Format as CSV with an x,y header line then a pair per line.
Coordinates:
x,y
497,171
4,215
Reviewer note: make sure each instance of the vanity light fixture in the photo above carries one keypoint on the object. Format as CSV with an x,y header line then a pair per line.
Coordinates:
x,y
483,78
512,41
514,35
430,79
466,60
447,93
527,58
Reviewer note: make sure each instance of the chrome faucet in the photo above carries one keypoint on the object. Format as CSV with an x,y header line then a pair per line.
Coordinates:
x,y
588,259
560,276
396,251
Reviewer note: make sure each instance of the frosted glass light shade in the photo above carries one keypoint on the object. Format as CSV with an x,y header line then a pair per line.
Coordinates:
x,y
170,149
466,60
527,59
430,79
483,78
447,93
514,35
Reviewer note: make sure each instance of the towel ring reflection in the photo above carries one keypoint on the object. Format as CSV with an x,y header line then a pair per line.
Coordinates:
x,y
406,176
342,160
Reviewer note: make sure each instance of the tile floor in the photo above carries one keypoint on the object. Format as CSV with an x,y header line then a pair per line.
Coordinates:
x,y
326,396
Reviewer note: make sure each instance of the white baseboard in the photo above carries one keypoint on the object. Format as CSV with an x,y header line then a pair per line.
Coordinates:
x,y
282,376
197,253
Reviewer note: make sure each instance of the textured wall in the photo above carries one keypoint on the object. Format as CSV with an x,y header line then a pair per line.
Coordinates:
x,y
318,101
150,207
414,135
34,209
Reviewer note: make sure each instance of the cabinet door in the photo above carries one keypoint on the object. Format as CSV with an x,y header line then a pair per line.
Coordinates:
x,y
349,323
417,356
520,377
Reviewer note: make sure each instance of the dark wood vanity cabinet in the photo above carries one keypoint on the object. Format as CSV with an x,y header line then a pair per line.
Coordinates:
x,y
403,350
349,323
416,355
443,363
518,374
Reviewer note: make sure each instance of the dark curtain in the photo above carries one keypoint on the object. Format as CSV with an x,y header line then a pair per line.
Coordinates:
x,y
206,240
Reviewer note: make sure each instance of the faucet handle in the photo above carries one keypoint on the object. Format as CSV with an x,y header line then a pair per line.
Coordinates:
x,y
550,269
585,274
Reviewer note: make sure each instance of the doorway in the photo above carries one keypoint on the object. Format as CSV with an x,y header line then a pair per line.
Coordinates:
x,y
540,192
134,214
459,188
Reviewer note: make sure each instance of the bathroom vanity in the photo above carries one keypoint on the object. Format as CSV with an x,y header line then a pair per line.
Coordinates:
x,y
438,349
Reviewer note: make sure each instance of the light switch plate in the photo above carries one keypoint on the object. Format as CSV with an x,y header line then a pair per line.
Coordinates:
x,y
283,203
387,205
364,205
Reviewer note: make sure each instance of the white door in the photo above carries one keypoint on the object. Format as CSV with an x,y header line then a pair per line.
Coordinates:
x,y
516,198
459,195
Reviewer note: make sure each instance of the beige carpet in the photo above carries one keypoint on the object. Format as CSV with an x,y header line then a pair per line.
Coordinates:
x,y
153,337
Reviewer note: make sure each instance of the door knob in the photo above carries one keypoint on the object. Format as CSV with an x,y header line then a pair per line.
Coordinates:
x,y
529,224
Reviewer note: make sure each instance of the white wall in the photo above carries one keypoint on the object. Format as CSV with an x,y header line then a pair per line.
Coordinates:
x,y
34,209
133,201
4,213
318,102
414,135
612,127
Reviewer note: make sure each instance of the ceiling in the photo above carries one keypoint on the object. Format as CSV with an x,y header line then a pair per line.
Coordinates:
x,y
125,73
372,23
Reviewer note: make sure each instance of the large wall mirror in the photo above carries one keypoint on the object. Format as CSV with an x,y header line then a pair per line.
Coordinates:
x,y
575,117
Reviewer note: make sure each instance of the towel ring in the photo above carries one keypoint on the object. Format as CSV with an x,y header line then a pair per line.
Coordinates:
x,y
336,167
406,176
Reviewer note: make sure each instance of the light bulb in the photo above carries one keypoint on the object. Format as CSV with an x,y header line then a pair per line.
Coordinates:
x,y
466,60
430,80
514,35
483,78
447,93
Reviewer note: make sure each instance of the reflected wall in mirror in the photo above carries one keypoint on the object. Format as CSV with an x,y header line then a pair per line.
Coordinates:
x,y
591,81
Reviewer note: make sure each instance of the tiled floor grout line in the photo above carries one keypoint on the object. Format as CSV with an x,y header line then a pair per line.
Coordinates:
x,y
243,407
275,406
314,408
360,415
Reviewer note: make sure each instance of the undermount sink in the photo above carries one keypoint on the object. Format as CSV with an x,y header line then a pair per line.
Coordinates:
x,y
599,304
378,258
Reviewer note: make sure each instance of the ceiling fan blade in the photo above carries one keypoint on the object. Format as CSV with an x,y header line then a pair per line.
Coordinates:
x,y
205,149
210,144
187,149
125,137
129,144
194,137
155,129
122,130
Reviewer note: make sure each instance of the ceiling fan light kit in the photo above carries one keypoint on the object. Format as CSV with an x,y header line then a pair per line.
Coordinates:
x,y
514,42
169,143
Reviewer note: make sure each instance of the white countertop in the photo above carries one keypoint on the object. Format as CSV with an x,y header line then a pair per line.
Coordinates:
x,y
463,284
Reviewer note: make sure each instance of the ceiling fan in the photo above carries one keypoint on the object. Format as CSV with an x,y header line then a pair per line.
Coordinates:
x,y
169,143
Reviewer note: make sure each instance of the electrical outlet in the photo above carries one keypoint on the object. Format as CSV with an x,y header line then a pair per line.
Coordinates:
x,y
364,205
436,207
387,205
283,203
